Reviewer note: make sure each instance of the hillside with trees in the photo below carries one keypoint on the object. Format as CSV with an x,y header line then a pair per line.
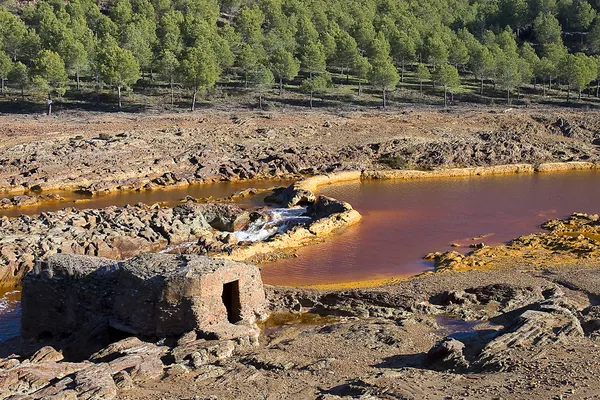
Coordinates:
x,y
175,53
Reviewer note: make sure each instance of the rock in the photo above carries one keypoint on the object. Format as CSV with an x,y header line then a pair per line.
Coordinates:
x,y
446,355
46,353
123,380
207,372
95,383
325,206
204,351
534,329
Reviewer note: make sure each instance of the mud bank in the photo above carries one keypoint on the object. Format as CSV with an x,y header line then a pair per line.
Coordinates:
x,y
312,184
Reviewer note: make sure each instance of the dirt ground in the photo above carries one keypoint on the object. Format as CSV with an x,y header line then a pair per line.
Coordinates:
x,y
104,152
379,350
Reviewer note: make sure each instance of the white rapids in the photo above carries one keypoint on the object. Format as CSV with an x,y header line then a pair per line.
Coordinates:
x,y
273,221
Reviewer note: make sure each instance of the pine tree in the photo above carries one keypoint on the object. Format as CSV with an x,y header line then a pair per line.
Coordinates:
x,y
447,76
383,74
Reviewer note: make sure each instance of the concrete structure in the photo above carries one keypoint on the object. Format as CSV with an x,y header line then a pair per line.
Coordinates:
x,y
86,298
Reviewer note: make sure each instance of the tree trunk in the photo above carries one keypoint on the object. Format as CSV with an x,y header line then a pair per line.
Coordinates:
x,y
481,87
280,86
172,94
22,92
402,73
568,94
579,97
534,84
246,80
260,101
421,87
311,99
544,88
508,96
445,97
119,91
384,100
77,79
194,99
359,88
49,106
597,87
2,80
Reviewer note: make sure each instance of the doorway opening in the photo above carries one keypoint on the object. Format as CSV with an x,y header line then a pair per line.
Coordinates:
x,y
231,299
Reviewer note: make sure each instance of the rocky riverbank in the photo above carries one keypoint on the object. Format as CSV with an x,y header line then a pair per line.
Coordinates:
x,y
120,153
191,228
522,334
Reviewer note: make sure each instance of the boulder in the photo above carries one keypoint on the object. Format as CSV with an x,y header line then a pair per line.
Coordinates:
x,y
446,355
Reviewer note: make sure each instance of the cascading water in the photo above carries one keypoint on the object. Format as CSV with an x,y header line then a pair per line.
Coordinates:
x,y
270,222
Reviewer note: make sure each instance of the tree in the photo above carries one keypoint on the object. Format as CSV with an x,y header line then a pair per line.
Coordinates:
x,y
403,50
313,59
435,50
247,61
458,54
362,70
547,29
316,84
262,80
116,66
579,70
168,65
481,63
19,74
422,73
383,74
507,72
346,52
531,59
19,42
593,36
447,76
284,66
248,23
5,67
199,70
49,74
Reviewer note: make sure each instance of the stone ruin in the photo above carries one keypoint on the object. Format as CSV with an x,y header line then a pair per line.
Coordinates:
x,y
80,303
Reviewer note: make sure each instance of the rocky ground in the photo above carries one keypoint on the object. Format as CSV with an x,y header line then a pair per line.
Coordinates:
x,y
527,334
519,321
97,153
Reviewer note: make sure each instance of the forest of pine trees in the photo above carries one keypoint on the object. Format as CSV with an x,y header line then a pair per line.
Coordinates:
x,y
97,52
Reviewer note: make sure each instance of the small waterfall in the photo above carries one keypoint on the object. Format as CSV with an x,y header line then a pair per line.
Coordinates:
x,y
271,222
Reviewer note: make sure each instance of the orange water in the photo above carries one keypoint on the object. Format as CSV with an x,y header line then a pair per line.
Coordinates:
x,y
404,220
169,197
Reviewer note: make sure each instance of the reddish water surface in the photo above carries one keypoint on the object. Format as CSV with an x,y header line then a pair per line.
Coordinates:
x,y
404,220
169,197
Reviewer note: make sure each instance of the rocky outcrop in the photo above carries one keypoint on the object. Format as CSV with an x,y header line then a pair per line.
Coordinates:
x,y
73,301
112,232
328,216
567,242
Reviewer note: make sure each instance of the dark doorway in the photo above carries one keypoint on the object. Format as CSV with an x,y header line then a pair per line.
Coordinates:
x,y
231,299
